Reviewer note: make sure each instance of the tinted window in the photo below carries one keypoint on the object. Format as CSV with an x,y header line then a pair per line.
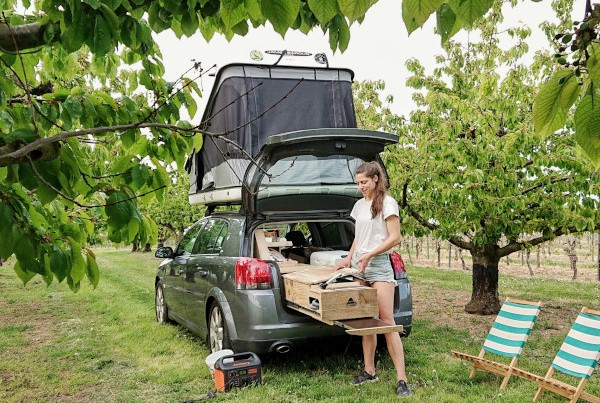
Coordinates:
x,y
189,239
336,234
212,236
313,170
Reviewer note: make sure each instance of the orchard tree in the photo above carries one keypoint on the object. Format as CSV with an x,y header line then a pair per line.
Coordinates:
x,y
73,73
468,167
89,129
174,214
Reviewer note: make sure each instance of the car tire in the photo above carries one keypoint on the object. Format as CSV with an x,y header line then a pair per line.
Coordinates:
x,y
162,311
218,334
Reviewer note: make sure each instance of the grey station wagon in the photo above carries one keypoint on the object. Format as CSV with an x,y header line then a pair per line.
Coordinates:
x,y
283,152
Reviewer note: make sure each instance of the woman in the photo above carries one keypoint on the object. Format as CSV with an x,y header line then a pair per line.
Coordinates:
x,y
377,231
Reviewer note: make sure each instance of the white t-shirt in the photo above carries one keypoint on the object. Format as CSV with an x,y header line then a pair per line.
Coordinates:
x,y
369,232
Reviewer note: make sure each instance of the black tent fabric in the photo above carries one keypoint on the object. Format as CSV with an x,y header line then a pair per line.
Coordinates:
x,y
250,103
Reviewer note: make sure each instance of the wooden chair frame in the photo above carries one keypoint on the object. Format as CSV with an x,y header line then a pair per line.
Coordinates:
x,y
548,382
479,362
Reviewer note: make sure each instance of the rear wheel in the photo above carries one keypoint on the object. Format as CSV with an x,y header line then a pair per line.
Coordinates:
x,y
162,312
218,335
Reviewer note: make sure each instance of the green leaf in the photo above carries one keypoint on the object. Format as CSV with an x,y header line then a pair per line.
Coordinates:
x,y
139,175
447,24
570,92
92,272
587,126
343,35
73,106
416,12
25,276
232,12
23,136
59,263
355,9
281,13
548,114
78,266
189,23
101,40
197,144
95,4
9,237
469,11
75,33
593,63
110,17
119,210
129,137
324,10
6,215
36,218
25,251
133,228
48,276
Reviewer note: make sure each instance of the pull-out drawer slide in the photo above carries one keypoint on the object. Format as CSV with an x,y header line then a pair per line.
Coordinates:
x,y
366,326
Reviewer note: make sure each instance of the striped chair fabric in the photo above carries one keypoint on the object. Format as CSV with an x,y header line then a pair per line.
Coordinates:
x,y
511,328
577,357
580,351
507,337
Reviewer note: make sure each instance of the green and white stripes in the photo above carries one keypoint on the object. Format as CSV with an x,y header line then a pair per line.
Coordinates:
x,y
511,329
580,351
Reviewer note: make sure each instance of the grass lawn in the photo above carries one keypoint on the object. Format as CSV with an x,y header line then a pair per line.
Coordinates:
x,y
104,344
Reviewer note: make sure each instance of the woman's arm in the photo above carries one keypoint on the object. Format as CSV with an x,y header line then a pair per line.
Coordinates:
x,y
347,260
392,224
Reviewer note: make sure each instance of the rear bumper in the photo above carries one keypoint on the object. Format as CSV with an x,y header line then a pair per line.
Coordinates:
x,y
259,322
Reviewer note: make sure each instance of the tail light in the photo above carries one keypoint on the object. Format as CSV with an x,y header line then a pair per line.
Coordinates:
x,y
252,274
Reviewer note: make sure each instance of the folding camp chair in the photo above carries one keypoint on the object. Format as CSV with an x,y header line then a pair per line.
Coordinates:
x,y
507,337
577,357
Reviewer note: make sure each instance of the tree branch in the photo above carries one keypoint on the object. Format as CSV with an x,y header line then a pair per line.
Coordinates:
x,y
14,38
520,245
20,155
539,185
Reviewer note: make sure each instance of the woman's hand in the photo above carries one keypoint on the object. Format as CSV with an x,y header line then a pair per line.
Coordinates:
x,y
362,262
344,263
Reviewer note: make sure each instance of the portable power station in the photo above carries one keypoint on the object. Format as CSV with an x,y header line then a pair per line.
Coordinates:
x,y
237,370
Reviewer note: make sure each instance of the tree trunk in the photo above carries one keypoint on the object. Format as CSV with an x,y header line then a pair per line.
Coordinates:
x,y
528,263
484,297
134,247
407,246
462,259
538,262
438,248
147,248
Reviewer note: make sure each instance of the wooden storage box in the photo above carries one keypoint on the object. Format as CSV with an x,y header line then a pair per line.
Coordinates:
x,y
336,302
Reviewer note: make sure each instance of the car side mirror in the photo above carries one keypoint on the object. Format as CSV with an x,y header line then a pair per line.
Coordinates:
x,y
164,252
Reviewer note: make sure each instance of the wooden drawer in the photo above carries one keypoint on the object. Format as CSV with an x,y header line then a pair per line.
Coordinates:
x,y
330,304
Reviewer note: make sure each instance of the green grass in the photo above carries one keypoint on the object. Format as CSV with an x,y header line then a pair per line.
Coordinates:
x,y
104,345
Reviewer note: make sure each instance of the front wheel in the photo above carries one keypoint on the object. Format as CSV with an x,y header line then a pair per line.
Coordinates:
x,y
162,312
218,335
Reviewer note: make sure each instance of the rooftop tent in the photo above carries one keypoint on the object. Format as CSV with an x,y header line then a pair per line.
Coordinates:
x,y
250,103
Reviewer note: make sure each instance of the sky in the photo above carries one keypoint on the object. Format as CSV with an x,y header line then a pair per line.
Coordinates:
x,y
378,49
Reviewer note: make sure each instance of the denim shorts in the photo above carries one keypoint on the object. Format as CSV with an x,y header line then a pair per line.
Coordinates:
x,y
378,269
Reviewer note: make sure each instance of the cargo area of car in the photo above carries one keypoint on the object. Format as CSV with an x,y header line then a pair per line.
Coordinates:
x,y
311,285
